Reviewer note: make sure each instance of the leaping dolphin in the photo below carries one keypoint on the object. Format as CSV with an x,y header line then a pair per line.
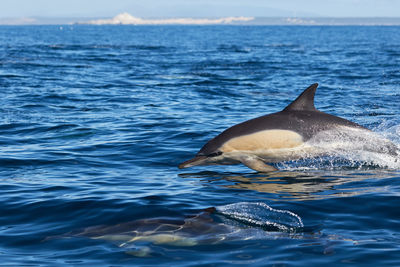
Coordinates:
x,y
281,136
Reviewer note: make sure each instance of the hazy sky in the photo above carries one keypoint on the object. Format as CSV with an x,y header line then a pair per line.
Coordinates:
x,y
199,8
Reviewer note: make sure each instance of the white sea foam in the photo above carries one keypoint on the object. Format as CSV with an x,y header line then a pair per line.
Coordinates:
x,y
262,215
352,147
126,19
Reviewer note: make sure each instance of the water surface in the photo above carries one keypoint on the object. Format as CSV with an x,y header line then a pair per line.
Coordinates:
x,y
94,121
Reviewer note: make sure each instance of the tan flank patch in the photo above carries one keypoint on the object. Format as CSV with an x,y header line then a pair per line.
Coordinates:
x,y
263,140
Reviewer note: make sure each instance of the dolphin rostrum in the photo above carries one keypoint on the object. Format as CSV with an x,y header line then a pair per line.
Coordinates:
x,y
282,136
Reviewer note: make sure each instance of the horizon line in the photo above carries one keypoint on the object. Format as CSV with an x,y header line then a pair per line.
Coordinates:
x,y
127,19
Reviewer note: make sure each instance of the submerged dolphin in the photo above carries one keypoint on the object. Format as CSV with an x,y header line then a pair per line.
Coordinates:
x,y
282,136
214,225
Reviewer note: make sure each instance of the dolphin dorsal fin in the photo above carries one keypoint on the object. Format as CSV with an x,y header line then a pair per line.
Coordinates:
x,y
305,101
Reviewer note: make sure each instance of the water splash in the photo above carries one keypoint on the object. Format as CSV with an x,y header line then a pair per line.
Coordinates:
x,y
389,130
345,147
261,215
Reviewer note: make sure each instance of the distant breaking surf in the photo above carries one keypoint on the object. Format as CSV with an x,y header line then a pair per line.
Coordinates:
x,y
127,19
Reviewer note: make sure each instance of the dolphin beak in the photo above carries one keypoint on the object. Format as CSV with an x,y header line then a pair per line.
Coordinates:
x,y
192,162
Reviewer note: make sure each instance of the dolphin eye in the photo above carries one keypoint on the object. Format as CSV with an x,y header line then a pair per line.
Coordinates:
x,y
215,154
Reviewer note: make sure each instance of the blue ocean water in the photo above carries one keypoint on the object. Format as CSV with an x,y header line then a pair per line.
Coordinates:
x,y
95,119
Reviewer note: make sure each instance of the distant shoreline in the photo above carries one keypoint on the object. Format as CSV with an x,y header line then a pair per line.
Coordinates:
x,y
256,21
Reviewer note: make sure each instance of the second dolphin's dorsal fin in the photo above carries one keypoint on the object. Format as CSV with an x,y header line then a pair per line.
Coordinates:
x,y
305,101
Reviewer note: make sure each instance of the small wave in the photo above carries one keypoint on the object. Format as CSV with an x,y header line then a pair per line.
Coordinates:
x,y
389,130
233,48
261,215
